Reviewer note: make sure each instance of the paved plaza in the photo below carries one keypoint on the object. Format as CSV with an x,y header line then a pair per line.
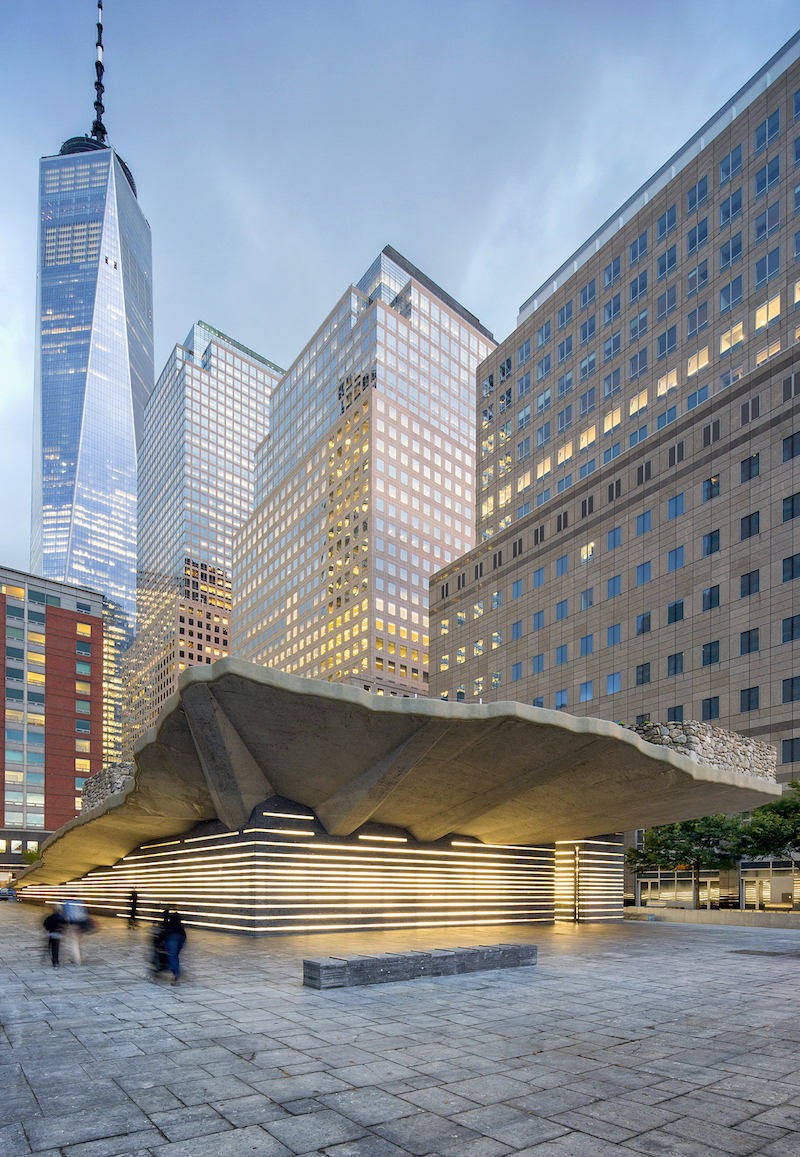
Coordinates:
x,y
640,1038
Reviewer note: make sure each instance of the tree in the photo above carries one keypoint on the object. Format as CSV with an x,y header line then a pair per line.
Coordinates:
x,y
712,842
31,855
774,828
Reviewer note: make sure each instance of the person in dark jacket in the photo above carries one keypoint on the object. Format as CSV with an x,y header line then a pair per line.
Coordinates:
x,y
174,940
54,925
133,909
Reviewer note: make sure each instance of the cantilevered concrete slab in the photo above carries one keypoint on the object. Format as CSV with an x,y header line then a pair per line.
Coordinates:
x,y
236,733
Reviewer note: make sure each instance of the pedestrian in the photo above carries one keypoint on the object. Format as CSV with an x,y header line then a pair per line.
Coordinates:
x,y
54,924
174,940
77,920
133,901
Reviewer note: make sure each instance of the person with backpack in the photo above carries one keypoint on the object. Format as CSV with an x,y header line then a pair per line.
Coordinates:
x,y
76,918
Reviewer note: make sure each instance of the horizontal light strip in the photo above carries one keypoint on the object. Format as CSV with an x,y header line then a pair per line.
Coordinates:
x,y
389,839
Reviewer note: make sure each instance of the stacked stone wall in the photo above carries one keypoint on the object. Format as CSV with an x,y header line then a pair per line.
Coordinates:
x,y
713,746
111,779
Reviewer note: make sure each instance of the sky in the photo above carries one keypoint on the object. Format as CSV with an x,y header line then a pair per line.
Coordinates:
x,y
277,147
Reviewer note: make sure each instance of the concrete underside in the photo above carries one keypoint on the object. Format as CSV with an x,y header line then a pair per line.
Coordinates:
x,y
235,734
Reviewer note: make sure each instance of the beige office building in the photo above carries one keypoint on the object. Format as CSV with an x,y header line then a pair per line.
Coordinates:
x,y
639,454
363,487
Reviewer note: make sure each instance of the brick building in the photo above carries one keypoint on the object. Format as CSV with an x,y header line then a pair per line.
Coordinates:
x,y
53,706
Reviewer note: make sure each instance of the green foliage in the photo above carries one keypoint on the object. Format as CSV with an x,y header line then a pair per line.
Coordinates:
x,y
712,842
31,855
774,829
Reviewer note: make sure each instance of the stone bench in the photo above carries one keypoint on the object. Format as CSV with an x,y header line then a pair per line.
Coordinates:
x,y
348,971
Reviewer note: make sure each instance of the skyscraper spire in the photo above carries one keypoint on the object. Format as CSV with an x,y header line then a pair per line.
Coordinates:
x,y
98,128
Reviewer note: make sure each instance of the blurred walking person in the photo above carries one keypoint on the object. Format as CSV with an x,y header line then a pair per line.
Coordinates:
x,y
133,909
54,925
77,920
174,940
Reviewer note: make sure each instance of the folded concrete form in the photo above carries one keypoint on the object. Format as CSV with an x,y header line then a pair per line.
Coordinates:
x,y
349,971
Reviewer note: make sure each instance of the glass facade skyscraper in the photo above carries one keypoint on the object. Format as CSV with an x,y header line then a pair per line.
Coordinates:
x,y
207,413
93,375
94,370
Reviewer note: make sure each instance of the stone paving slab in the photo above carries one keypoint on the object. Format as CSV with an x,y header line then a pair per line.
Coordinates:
x,y
639,1038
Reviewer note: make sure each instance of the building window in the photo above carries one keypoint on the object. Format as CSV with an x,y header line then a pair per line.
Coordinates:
x,y
768,177
710,543
748,699
790,629
667,262
697,237
790,751
711,488
561,700
750,583
642,674
768,131
615,583
587,645
611,273
711,653
565,315
561,610
561,655
667,302
613,683
791,507
675,559
791,568
516,672
675,664
667,222
748,641
542,337
587,691
638,287
643,572
675,714
731,165
516,629
768,222
675,507
749,525
614,538
749,468
613,634
698,277
588,293
730,295
538,576
768,267
697,195
538,620
537,664
643,523
710,708
675,612
791,690
710,598
730,252
638,248
643,624
611,346
562,564
587,598
729,208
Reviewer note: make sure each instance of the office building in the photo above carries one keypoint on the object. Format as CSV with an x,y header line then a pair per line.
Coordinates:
x,y
53,672
364,486
93,375
638,453
207,413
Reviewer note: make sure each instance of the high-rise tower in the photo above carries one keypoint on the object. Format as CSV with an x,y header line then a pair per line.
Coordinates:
x,y
94,371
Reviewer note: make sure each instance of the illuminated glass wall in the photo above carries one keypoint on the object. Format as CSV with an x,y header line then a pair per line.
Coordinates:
x,y
94,371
